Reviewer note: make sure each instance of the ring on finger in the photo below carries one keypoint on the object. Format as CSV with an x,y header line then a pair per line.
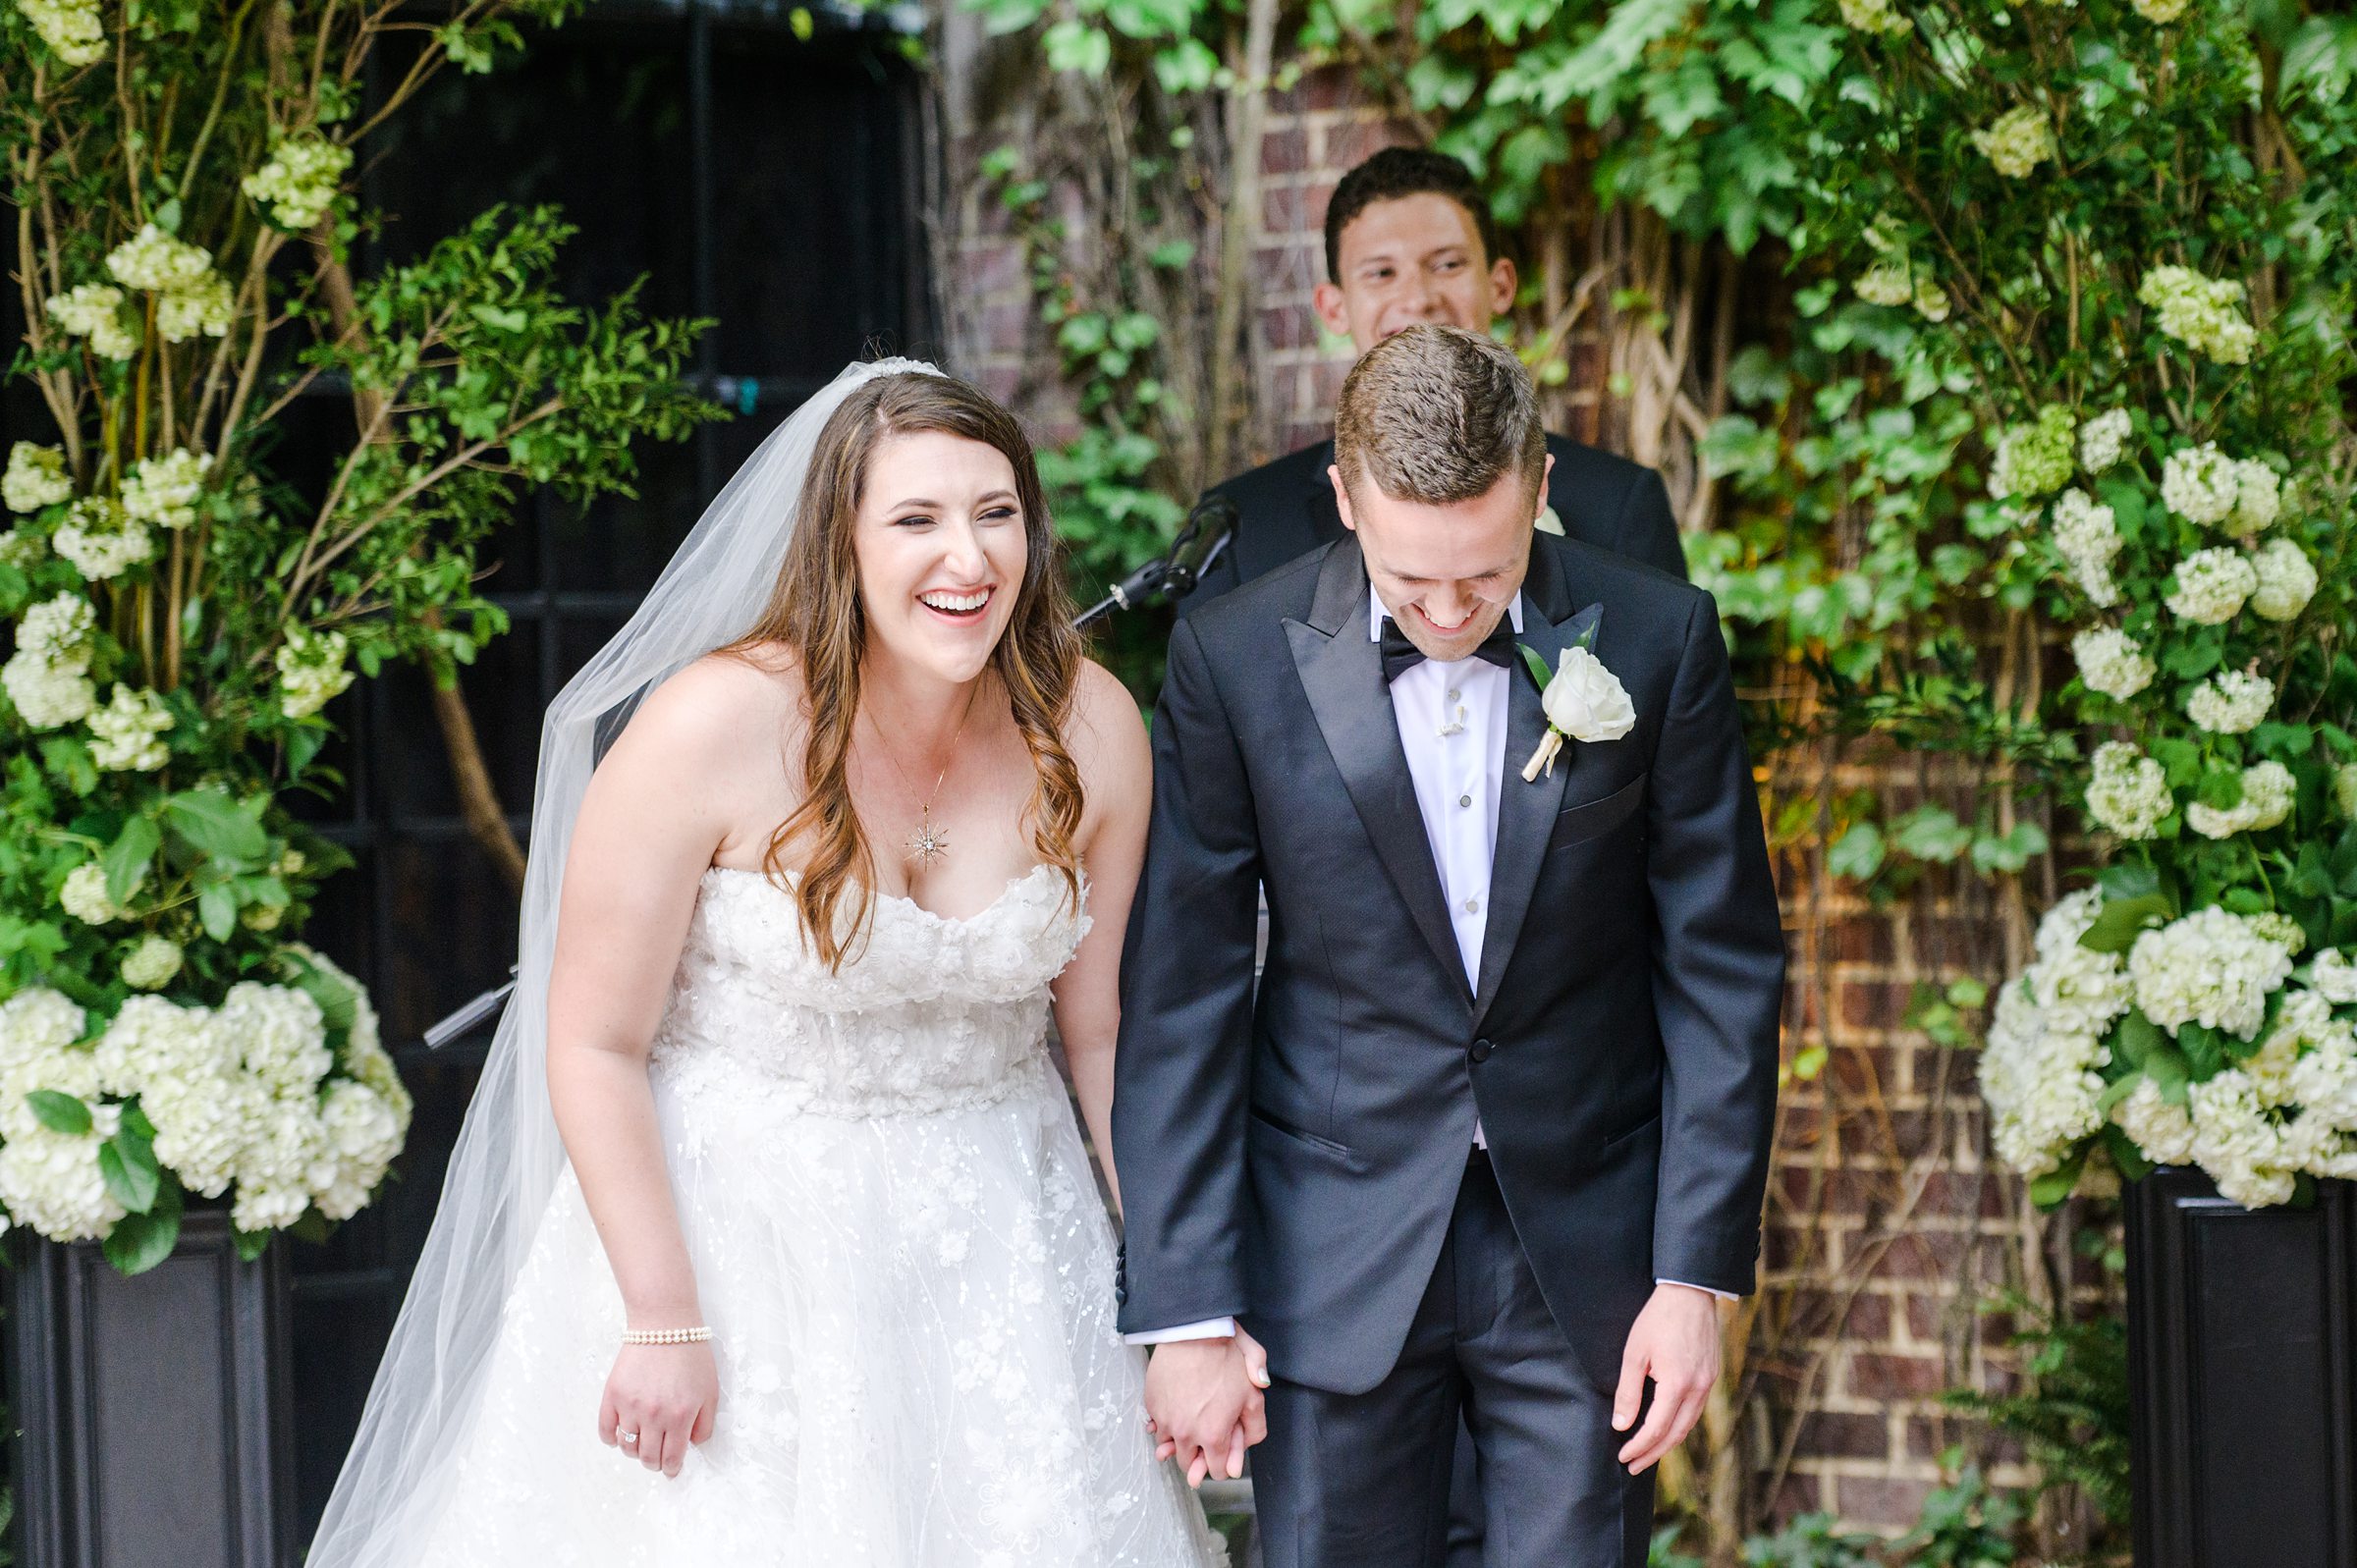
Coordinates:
x,y
625,1436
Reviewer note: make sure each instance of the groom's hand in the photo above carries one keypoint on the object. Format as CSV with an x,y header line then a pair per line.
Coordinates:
x,y
1675,1342
1205,1405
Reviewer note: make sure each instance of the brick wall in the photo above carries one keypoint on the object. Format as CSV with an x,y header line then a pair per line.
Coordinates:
x,y
1887,1221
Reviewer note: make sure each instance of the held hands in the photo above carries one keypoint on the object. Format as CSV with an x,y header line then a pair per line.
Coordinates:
x,y
1204,1402
1675,1342
659,1400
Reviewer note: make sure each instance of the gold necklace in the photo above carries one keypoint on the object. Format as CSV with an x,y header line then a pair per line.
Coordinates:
x,y
927,843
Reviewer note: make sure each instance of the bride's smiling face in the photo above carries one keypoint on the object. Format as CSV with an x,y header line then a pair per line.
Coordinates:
x,y
942,549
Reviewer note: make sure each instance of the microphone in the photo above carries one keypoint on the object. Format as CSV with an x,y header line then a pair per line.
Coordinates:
x,y
1200,539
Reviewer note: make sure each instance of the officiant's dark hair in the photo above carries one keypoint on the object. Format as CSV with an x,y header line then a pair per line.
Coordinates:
x,y
815,610
1397,172
1438,415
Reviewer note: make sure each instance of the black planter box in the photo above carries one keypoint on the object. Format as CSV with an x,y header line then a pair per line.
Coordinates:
x,y
151,1415
2242,1355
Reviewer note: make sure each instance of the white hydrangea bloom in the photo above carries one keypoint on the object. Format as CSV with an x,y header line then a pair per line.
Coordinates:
x,y
185,1070
2113,663
310,671
1877,16
2035,457
101,539
2103,439
1931,301
59,629
83,896
2286,580
2128,791
163,490
2323,1082
2201,483
300,182
37,478
2274,924
2332,977
2041,1084
2162,1131
2236,1142
2160,12
2258,496
21,548
2210,586
202,310
2207,967
44,1063
1888,282
281,1035
2231,702
151,965
2018,141
158,262
70,28
47,696
94,310
2087,537
2203,313
2267,790
51,1180
127,734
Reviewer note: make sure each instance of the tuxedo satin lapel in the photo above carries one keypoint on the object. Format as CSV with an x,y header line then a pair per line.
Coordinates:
x,y
1525,811
1341,671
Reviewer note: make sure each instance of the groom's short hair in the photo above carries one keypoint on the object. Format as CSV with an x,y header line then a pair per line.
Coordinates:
x,y
1438,414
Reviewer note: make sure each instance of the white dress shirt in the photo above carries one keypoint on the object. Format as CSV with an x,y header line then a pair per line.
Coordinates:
x,y
1452,721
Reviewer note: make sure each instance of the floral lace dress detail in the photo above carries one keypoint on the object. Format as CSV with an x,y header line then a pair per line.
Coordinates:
x,y
901,1250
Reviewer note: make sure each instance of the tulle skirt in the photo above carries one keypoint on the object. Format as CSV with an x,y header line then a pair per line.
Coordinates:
x,y
919,1367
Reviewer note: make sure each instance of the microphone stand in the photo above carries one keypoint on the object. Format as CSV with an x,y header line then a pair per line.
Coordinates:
x,y
1193,551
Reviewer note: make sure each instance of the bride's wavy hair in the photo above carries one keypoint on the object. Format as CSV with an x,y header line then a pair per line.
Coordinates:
x,y
815,610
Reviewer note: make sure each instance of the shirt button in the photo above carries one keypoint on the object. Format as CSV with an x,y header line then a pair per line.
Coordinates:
x,y
1465,800
1472,906
1451,693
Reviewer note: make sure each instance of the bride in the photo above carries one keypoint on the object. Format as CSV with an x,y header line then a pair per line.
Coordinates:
x,y
824,1280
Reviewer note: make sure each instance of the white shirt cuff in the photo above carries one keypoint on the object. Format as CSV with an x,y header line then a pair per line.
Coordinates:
x,y
1208,1329
1722,1295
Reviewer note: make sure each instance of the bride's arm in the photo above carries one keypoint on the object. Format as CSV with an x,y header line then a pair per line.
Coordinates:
x,y
1108,743
653,814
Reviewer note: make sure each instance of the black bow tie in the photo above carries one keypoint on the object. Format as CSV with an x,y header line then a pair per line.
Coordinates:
x,y
1401,654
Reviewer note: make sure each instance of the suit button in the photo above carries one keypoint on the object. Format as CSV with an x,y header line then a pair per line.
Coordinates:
x,y
1120,1295
1481,1051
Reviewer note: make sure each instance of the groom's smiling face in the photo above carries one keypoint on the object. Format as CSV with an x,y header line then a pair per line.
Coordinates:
x,y
1447,573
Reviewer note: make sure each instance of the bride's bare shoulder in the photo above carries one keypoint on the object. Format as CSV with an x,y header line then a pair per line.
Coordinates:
x,y
719,709
1104,731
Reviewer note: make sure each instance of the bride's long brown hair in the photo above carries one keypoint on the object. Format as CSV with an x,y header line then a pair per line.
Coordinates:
x,y
815,610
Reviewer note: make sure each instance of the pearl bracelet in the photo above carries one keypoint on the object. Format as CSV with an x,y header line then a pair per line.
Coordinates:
x,y
666,1336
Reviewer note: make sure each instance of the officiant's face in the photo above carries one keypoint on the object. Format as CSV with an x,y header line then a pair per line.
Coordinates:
x,y
1444,572
1409,261
941,546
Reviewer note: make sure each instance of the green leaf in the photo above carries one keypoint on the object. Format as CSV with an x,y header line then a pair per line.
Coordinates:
x,y
59,1111
216,824
1536,662
141,1241
217,907
125,859
1858,853
2205,1050
2135,1040
2048,1191
128,1163
2165,1066
252,1244
1933,833
2131,1160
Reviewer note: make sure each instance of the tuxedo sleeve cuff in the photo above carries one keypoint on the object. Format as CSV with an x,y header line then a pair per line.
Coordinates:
x,y
1208,1329
1722,1295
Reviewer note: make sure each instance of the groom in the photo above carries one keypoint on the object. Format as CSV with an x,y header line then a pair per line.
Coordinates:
x,y
1494,1128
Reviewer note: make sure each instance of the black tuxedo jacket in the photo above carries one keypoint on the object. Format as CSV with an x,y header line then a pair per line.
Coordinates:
x,y
1285,509
1290,1157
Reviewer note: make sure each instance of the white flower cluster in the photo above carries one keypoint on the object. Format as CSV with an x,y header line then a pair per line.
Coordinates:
x,y
37,478
101,539
2286,580
48,677
2208,967
127,734
2160,12
83,896
2104,439
2035,457
2201,483
310,671
248,1095
2087,538
1895,278
1877,16
300,182
2230,702
2039,1074
192,298
2113,663
2204,313
94,310
70,28
2128,791
2268,792
2210,586
163,490
2018,141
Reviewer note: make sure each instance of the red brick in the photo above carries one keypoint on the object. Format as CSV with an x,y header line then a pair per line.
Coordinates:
x,y
1353,142
1832,1434
1874,1374
1925,1255
1285,150
1289,327
1885,1502
1799,1494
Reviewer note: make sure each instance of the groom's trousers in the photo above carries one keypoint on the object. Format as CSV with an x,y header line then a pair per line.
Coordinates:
x,y
1362,1481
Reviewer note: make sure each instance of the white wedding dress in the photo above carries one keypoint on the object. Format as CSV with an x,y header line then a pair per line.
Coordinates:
x,y
901,1253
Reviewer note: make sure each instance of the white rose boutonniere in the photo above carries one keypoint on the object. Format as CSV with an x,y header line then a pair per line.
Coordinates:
x,y
1583,700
